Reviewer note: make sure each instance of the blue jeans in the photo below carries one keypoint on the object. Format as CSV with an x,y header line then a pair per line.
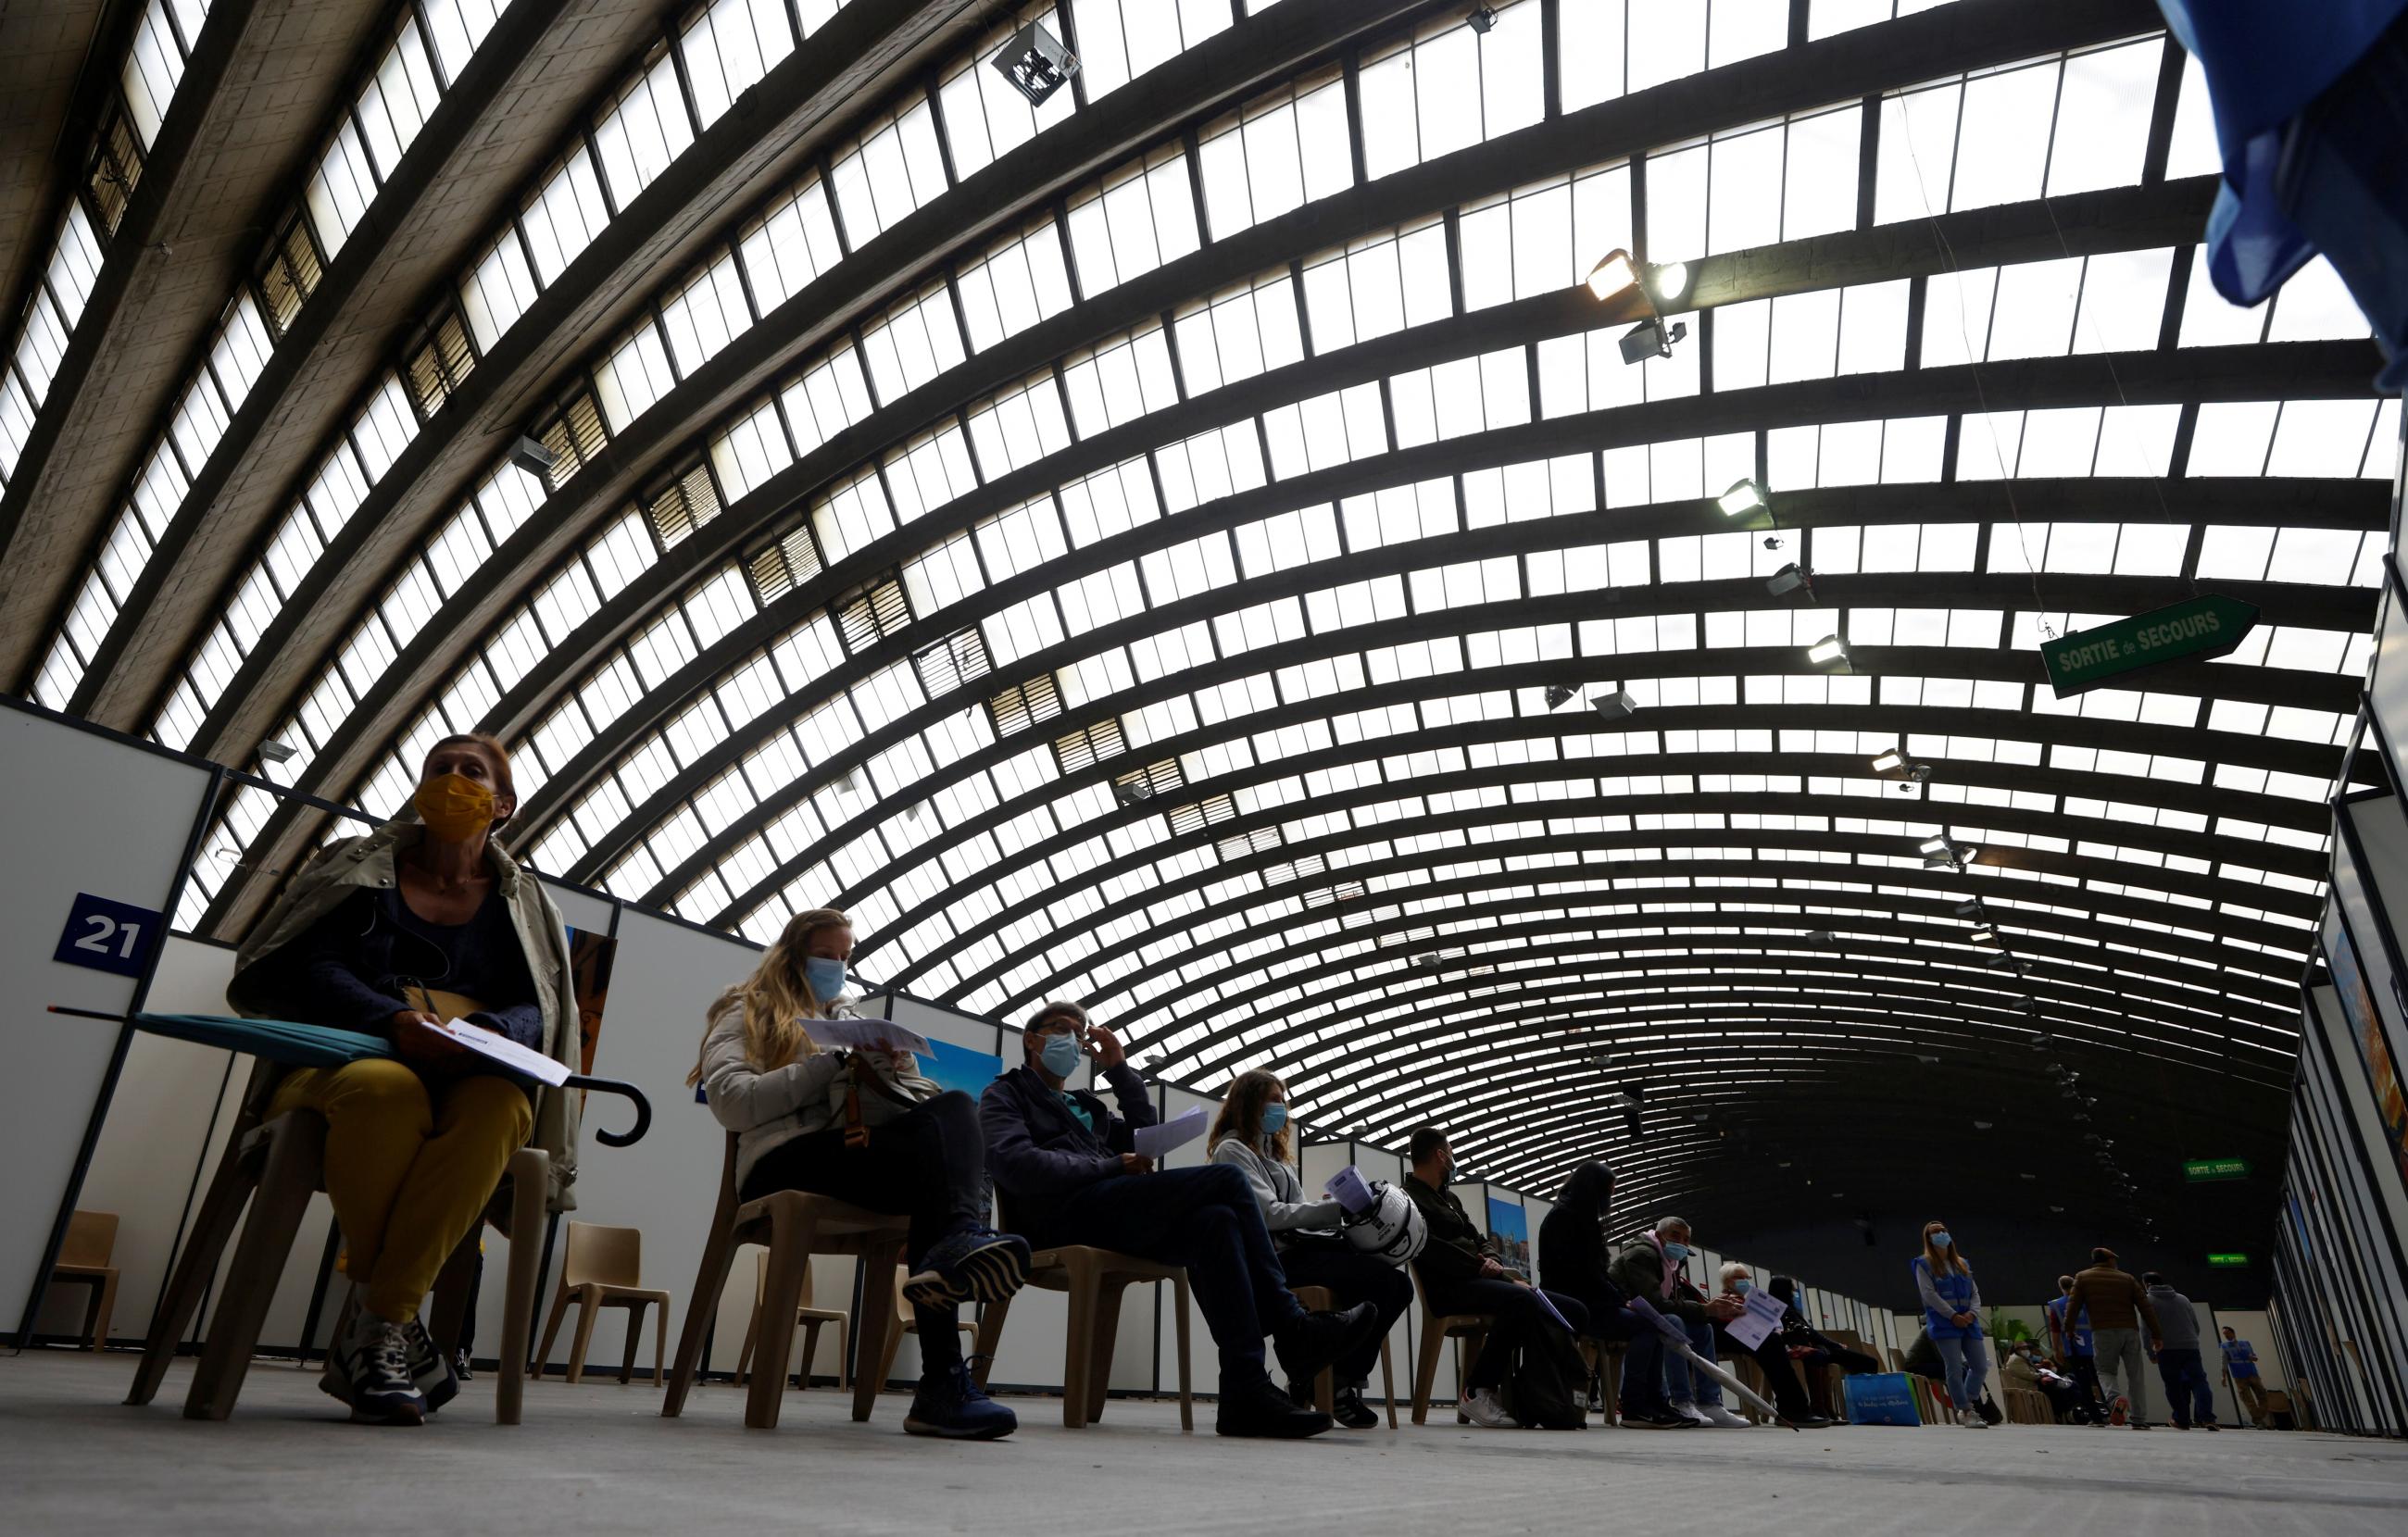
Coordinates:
x,y
1683,1383
1968,1361
2186,1389
1204,1218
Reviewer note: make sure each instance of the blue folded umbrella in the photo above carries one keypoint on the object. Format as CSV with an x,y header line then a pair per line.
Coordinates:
x,y
286,1041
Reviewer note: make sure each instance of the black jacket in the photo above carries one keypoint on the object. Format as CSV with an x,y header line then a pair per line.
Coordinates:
x,y
1037,1152
1456,1246
1573,1255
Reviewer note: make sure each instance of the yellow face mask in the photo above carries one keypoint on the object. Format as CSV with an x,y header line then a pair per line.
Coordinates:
x,y
453,806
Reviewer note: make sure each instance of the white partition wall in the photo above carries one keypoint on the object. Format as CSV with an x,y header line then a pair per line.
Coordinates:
x,y
73,784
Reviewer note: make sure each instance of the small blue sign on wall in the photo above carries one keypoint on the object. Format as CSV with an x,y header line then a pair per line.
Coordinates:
x,y
109,936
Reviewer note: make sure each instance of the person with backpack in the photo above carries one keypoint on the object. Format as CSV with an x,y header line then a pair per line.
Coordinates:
x,y
1952,1317
1461,1272
1250,1134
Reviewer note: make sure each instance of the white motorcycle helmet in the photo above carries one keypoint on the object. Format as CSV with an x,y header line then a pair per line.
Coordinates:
x,y
1391,1228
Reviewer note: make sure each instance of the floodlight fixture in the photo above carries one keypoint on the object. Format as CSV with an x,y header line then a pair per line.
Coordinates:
x,y
1934,845
1788,579
1888,759
1559,695
1617,705
533,457
1036,62
1820,936
1128,792
1652,339
1983,935
1613,275
1971,907
1744,497
1669,282
1828,652
1482,18
278,752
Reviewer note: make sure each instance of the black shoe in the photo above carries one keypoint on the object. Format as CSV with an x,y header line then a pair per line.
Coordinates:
x,y
1811,1422
1310,1342
1261,1410
1662,1420
437,1383
460,1367
1346,1406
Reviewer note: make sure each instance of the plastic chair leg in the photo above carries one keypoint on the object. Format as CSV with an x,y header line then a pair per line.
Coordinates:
x,y
588,1305
718,1254
219,1210
811,1328
1388,1381
551,1331
1079,1348
877,1324
1109,1295
530,1175
287,1182
990,1335
781,1292
1425,1370
636,1307
1186,1397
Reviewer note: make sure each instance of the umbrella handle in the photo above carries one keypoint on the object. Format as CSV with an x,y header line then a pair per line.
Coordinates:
x,y
627,1090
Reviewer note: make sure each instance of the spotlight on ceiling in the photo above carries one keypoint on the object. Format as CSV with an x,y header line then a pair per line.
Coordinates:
x,y
1612,276
1745,497
1482,18
1617,705
1559,695
1127,794
1888,759
1668,281
1934,845
1971,907
1788,579
1036,62
1820,936
276,752
1652,339
534,458
1983,935
1830,652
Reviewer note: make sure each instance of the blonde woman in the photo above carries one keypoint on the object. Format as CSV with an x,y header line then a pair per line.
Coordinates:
x,y
1250,1134
1952,1316
798,1114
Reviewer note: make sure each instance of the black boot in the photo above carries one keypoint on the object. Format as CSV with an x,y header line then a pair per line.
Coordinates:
x,y
1260,1409
1312,1341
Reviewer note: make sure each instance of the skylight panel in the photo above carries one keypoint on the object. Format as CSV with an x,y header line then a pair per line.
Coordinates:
x,y
2035,309
1137,216
2232,437
2313,306
2319,437
2103,107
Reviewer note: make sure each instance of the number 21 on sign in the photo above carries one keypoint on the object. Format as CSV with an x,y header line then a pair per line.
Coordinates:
x,y
108,936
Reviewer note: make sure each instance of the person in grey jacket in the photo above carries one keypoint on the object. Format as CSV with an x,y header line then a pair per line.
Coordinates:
x,y
1251,1135
2179,1363
769,1082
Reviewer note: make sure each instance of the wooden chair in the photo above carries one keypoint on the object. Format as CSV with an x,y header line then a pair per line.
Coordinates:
x,y
910,1325
1437,1329
811,1321
795,1226
1324,1390
604,1267
276,1166
1604,1359
83,1260
1094,1279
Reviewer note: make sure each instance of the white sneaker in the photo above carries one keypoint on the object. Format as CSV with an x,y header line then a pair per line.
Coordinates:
x,y
1483,1409
1688,1410
1715,1414
1966,1419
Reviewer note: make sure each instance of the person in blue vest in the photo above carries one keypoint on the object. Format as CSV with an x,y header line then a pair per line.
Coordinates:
x,y
1951,1316
2240,1370
2075,1349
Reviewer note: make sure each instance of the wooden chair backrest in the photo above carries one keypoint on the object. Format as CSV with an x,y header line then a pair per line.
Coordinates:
x,y
600,1256
90,1237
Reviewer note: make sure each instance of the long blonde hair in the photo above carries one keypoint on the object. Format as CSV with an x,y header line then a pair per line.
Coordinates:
x,y
1942,1264
775,999
1241,1113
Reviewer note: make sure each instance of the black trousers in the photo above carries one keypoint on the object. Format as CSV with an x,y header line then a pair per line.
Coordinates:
x,y
928,1164
1352,1276
1772,1357
1518,1312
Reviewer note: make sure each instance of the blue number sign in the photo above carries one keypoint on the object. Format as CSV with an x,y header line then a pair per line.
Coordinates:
x,y
108,936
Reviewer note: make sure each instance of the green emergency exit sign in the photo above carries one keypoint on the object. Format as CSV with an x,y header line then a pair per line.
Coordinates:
x,y
2228,1261
2194,631
2199,1169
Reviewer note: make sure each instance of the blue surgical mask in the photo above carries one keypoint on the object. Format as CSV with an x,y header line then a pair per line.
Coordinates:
x,y
1274,1118
1675,1252
1743,1286
1939,1240
1060,1055
826,977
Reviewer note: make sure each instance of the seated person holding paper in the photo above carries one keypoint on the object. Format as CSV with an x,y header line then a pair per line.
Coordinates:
x,y
864,1126
1770,1351
1251,1136
1648,1270
397,934
1462,1274
1069,1171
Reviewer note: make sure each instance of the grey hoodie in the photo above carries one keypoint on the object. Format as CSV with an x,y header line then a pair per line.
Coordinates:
x,y
2177,1320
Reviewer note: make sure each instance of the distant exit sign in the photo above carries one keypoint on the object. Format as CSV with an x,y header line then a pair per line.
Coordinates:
x,y
2197,630
2198,1169
2228,1261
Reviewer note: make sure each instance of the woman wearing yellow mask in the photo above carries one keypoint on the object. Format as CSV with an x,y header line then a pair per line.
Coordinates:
x,y
421,921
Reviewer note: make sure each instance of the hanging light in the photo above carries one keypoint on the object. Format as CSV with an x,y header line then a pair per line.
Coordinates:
x,y
1933,844
1744,497
1788,579
1825,652
1612,276
1559,695
1888,759
1036,62
1668,281
1983,935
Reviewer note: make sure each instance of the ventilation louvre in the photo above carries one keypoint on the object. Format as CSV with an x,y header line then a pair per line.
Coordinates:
x,y
871,613
1196,816
439,363
1088,746
115,168
290,274
784,565
1024,704
958,659
575,435
684,505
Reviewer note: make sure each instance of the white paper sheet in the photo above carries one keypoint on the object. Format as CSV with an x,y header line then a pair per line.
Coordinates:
x,y
870,1034
1155,1140
501,1048
1763,1315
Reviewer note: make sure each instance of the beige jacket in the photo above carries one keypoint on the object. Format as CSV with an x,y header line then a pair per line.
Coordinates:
x,y
769,1109
355,865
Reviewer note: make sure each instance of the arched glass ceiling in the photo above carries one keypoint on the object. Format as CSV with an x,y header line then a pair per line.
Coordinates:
x,y
1160,600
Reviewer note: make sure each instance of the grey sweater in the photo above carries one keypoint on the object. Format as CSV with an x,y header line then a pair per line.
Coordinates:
x,y
2177,1320
1279,1192
765,1110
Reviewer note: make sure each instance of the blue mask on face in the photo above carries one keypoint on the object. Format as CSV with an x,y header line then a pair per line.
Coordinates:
x,y
1675,1252
1061,1055
1274,1118
1939,1240
826,978
1743,1286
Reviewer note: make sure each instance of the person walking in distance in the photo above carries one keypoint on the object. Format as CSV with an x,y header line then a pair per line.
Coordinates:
x,y
2241,1371
2122,1317
2069,1332
2188,1397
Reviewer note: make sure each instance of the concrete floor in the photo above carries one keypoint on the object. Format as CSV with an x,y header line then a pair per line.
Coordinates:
x,y
598,1459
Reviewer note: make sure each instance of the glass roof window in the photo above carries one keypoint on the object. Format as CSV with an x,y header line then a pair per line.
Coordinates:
x,y
1450,87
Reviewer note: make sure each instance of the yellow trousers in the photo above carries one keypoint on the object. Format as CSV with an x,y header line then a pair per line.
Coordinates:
x,y
409,1167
